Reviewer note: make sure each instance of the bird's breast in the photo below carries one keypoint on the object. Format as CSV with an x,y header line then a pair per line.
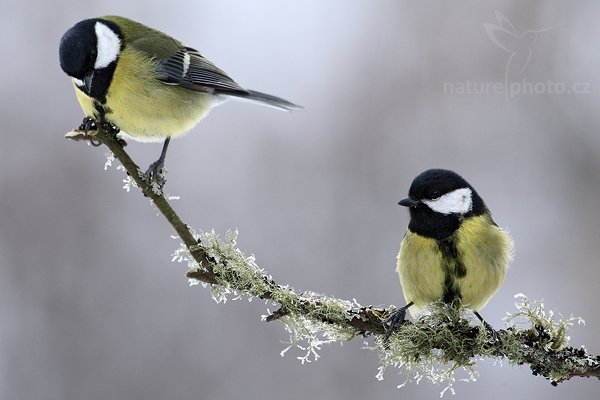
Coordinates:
x,y
486,251
420,270
469,265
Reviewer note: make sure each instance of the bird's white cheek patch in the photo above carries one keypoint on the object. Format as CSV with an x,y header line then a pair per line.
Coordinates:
x,y
459,201
108,45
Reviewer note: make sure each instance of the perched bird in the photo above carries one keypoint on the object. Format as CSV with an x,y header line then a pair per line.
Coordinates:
x,y
145,83
453,251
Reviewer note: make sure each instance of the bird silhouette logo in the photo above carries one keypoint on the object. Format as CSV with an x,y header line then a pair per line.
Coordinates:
x,y
519,46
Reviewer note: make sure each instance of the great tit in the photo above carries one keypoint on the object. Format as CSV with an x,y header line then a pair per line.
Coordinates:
x,y
453,251
145,83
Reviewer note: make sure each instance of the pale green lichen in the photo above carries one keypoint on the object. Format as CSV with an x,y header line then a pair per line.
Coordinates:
x,y
110,157
314,320
543,338
416,349
532,314
442,346
239,276
309,335
445,341
128,181
182,255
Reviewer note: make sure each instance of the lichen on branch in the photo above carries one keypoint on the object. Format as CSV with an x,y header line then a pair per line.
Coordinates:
x,y
436,346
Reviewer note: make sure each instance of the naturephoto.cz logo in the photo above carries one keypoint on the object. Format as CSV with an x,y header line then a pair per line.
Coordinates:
x,y
519,48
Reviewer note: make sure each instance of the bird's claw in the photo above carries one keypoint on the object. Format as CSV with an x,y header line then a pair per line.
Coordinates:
x,y
155,174
90,124
494,334
395,320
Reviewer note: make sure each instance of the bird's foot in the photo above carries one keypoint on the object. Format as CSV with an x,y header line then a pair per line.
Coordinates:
x,y
112,130
155,175
90,124
491,332
395,320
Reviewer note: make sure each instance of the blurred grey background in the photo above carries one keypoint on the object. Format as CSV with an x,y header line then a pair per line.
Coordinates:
x,y
91,306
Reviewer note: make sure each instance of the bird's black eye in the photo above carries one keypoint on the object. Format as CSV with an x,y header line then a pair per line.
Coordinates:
x,y
92,57
435,194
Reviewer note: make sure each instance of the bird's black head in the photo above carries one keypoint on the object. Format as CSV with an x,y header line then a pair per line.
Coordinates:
x,y
88,53
439,200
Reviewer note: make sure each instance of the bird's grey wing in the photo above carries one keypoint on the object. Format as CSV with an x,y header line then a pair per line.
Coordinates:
x,y
190,69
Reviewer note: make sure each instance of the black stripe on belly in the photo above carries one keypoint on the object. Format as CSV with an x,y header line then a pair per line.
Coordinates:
x,y
101,110
453,268
450,254
451,292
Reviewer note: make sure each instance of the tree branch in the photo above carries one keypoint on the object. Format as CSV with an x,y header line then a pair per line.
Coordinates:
x,y
307,315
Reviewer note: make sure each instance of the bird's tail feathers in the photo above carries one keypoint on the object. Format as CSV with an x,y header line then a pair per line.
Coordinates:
x,y
265,99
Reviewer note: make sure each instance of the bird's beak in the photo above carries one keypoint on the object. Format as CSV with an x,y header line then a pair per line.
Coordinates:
x,y
87,81
408,202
